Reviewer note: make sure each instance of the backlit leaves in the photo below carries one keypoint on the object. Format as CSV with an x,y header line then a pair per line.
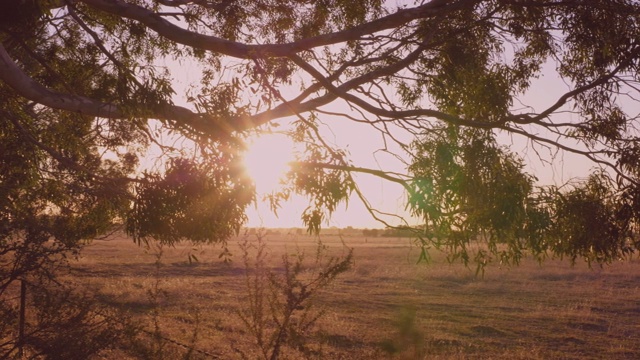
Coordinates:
x,y
203,202
467,189
465,186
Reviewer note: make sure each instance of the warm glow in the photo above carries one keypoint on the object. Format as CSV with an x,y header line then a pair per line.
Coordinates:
x,y
267,161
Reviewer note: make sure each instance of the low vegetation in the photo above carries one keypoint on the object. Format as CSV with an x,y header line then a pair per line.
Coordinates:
x,y
384,306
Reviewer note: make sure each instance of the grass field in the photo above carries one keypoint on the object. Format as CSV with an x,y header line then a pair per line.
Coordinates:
x,y
431,311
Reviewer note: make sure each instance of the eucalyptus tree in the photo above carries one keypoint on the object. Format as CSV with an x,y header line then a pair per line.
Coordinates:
x,y
88,86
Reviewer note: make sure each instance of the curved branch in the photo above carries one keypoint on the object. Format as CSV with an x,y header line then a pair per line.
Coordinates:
x,y
239,50
13,76
586,87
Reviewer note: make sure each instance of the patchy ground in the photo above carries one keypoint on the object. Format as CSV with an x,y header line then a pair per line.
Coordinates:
x,y
385,304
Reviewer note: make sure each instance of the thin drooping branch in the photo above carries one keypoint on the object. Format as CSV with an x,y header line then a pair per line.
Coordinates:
x,y
584,88
100,44
355,169
587,154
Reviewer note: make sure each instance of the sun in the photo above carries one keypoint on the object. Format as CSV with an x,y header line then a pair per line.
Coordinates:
x,y
267,161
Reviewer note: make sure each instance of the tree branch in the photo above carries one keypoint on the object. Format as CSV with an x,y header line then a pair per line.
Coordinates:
x,y
239,50
12,75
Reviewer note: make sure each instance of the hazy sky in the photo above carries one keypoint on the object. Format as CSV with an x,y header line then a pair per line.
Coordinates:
x,y
267,161
362,141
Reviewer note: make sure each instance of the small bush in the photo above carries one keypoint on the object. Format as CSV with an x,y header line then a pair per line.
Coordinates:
x,y
279,314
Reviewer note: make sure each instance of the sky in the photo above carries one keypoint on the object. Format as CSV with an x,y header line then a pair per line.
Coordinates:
x,y
268,157
267,162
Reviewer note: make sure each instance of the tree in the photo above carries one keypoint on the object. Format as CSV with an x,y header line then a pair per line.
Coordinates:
x,y
85,94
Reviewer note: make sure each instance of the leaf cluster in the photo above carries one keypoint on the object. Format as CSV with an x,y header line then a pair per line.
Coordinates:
x,y
55,191
469,190
199,201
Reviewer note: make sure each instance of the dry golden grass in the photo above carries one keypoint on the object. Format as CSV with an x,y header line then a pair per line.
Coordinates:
x,y
432,311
